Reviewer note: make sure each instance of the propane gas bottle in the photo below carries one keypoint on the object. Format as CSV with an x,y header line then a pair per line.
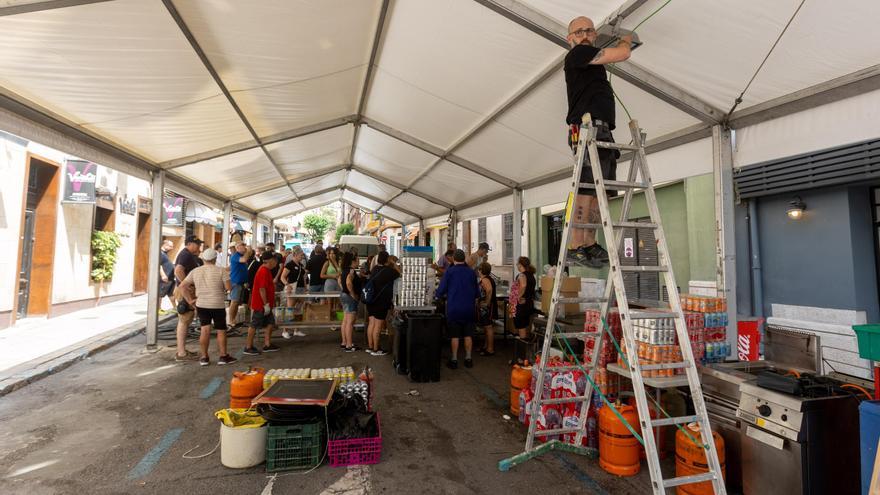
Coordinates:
x,y
690,458
618,448
244,387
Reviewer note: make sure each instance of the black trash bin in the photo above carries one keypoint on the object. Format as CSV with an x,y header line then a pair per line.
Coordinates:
x,y
424,347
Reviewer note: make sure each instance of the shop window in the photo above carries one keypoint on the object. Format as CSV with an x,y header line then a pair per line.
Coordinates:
x,y
507,246
481,230
105,219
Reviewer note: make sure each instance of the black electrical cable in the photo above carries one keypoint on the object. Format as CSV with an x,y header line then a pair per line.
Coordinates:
x,y
739,100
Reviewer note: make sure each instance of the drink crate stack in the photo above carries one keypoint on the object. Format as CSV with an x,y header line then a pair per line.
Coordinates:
x,y
417,279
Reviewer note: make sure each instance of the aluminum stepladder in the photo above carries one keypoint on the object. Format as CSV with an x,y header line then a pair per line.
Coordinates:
x,y
638,179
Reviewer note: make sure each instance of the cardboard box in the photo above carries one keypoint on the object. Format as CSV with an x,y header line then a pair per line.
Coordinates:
x,y
569,284
317,313
563,309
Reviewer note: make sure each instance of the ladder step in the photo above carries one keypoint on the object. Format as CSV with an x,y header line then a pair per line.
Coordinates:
x,y
570,335
577,300
557,431
650,315
619,225
664,366
616,185
616,146
644,268
562,400
689,480
674,421
568,367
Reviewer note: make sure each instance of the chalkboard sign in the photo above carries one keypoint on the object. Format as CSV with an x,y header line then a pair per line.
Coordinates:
x,y
298,392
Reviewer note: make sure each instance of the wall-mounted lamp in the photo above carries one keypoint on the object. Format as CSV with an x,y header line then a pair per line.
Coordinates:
x,y
796,208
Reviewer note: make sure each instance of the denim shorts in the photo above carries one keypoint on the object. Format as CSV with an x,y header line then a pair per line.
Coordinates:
x,y
316,287
349,304
235,293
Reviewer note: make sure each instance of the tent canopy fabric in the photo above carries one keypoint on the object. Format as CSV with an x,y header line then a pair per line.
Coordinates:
x,y
410,108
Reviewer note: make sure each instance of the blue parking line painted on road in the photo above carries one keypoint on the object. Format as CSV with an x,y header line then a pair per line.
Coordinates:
x,y
580,475
146,465
211,388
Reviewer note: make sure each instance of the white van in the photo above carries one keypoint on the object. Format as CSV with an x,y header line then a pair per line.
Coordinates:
x,y
366,245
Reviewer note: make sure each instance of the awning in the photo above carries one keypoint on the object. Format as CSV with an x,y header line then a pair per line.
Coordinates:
x,y
199,213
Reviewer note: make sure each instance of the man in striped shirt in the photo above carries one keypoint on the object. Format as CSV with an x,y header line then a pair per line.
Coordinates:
x,y
211,284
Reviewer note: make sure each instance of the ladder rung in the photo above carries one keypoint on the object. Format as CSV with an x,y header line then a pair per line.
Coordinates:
x,y
689,480
563,400
568,335
674,421
664,366
557,431
650,315
577,300
619,225
616,185
616,146
644,268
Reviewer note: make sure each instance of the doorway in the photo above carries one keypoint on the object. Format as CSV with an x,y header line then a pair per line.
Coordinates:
x,y
141,253
37,239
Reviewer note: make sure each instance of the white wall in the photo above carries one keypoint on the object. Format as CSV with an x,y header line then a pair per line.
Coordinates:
x,y
12,165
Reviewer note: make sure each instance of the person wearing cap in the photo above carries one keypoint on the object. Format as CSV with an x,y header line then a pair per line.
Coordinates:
x,y
479,257
293,276
262,303
460,287
187,261
238,276
211,283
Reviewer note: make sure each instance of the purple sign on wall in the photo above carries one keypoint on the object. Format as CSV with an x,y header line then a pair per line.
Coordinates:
x,y
173,209
79,181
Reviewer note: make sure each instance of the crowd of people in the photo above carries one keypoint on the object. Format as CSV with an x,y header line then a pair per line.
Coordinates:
x,y
470,293
204,283
201,283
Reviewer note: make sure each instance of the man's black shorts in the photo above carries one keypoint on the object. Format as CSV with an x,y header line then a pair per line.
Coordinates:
x,y
166,288
457,330
262,320
209,315
607,159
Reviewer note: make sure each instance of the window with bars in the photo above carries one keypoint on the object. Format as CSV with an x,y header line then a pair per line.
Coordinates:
x,y
507,237
481,230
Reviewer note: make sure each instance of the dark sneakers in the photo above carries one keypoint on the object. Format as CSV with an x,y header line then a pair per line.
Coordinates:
x,y
589,256
468,363
227,359
251,351
271,348
452,364
204,361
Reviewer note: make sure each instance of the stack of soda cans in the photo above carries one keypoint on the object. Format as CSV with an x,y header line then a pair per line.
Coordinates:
x,y
417,282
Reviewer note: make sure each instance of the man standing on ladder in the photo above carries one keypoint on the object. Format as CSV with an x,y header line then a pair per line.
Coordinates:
x,y
590,92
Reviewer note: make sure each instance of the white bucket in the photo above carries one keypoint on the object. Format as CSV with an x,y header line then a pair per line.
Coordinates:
x,y
242,447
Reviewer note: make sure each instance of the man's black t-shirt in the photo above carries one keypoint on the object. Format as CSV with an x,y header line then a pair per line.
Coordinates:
x,y
382,277
188,261
588,87
279,262
296,274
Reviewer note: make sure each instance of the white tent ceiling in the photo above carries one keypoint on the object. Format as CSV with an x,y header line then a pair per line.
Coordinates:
x,y
406,107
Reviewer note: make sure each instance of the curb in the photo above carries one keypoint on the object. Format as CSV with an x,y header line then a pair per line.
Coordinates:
x,y
27,373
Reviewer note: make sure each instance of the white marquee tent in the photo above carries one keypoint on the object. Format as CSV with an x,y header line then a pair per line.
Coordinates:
x,y
417,108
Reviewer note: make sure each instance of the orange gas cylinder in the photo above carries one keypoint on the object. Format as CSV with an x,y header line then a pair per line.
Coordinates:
x,y
520,378
244,387
618,448
690,458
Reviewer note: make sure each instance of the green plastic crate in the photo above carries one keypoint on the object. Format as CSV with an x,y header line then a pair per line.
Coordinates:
x,y
869,341
296,447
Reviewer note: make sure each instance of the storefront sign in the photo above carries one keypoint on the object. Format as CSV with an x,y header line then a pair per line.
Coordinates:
x,y
173,208
127,206
79,181
144,205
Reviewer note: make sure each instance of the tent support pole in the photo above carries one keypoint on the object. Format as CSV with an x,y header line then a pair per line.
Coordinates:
x,y
153,301
722,159
517,225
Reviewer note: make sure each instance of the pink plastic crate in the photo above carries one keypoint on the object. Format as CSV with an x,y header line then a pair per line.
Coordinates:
x,y
355,451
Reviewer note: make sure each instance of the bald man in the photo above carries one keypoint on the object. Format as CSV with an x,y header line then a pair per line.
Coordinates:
x,y
590,92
